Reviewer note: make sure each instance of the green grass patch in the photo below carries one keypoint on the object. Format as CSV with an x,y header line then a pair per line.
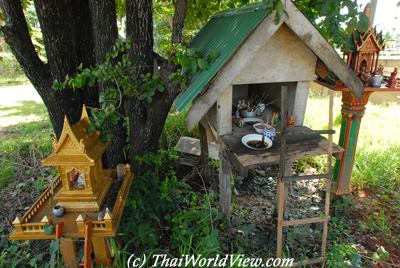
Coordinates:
x,y
11,73
378,168
23,145
175,127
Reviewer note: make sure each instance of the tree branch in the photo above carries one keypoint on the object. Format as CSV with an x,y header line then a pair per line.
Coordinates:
x,y
178,22
17,36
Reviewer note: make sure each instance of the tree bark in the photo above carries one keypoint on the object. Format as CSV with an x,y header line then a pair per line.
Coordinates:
x,y
178,21
68,42
105,33
146,121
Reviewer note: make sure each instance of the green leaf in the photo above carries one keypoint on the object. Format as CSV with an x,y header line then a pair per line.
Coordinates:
x,y
190,52
203,64
78,82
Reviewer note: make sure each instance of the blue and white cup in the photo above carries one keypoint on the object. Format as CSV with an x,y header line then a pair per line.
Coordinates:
x,y
269,132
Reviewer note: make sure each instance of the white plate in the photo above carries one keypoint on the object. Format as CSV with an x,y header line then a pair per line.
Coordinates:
x,y
256,137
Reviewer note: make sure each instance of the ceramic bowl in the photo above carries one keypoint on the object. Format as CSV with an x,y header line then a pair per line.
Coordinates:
x,y
58,211
252,121
256,137
259,127
247,114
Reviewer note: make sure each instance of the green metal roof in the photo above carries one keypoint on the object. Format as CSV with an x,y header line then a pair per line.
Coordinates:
x,y
223,34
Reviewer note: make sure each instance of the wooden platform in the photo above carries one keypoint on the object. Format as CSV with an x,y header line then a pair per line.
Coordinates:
x,y
300,144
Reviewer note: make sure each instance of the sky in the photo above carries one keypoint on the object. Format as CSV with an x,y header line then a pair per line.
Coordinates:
x,y
387,16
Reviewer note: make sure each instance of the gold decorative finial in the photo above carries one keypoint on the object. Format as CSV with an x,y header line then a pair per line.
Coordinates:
x,y
80,218
85,114
17,220
107,215
45,220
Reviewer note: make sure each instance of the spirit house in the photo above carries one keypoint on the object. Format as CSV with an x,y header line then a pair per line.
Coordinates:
x,y
77,157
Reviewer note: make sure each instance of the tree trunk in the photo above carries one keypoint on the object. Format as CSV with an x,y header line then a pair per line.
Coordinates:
x,y
67,35
105,33
146,121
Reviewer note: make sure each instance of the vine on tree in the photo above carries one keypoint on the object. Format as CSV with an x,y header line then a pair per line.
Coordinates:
x,y
118,78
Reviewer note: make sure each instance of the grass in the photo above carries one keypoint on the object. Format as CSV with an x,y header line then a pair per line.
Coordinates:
x,y
23,144
378,150
11,73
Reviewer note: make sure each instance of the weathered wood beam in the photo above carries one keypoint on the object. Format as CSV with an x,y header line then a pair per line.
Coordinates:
x,y
318,44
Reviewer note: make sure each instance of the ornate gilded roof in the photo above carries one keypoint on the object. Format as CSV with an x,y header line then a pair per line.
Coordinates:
x,y
76,145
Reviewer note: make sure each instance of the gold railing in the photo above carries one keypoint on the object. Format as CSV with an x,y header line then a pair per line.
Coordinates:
x,y
33,227
41,200
121,197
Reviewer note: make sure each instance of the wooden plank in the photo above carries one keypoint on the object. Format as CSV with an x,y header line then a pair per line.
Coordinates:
x,y
300,101
306,221
101,250
328,183
298,147
281,184
188,145
68,251
281,204
204,155
224,112
224,79
296,131
325,52
225,191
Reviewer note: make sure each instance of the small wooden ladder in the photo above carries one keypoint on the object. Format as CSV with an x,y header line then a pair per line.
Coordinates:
x,y
286,178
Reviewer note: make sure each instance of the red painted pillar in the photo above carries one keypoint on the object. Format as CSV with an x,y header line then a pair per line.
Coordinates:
x,y
352,112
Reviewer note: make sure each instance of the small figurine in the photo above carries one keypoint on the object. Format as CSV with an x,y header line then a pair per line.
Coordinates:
x,y
392,79
379,70
365,76
80,183
237,114
241,122
275,119
290,121
260,108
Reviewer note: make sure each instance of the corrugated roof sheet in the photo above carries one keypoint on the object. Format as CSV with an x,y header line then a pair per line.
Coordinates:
x,y
223,34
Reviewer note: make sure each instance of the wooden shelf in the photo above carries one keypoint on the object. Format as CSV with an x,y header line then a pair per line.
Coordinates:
x,y
301,145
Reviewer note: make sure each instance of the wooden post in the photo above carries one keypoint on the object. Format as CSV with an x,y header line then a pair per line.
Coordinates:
x,y
101,251
68,251
224,112
225,176
352,111
203,144
329,182
283,170
87,262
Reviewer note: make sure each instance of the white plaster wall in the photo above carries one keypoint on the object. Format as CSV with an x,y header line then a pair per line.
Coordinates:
x,y
284,58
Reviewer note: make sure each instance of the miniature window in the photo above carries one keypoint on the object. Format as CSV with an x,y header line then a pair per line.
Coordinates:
x,y
76,179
